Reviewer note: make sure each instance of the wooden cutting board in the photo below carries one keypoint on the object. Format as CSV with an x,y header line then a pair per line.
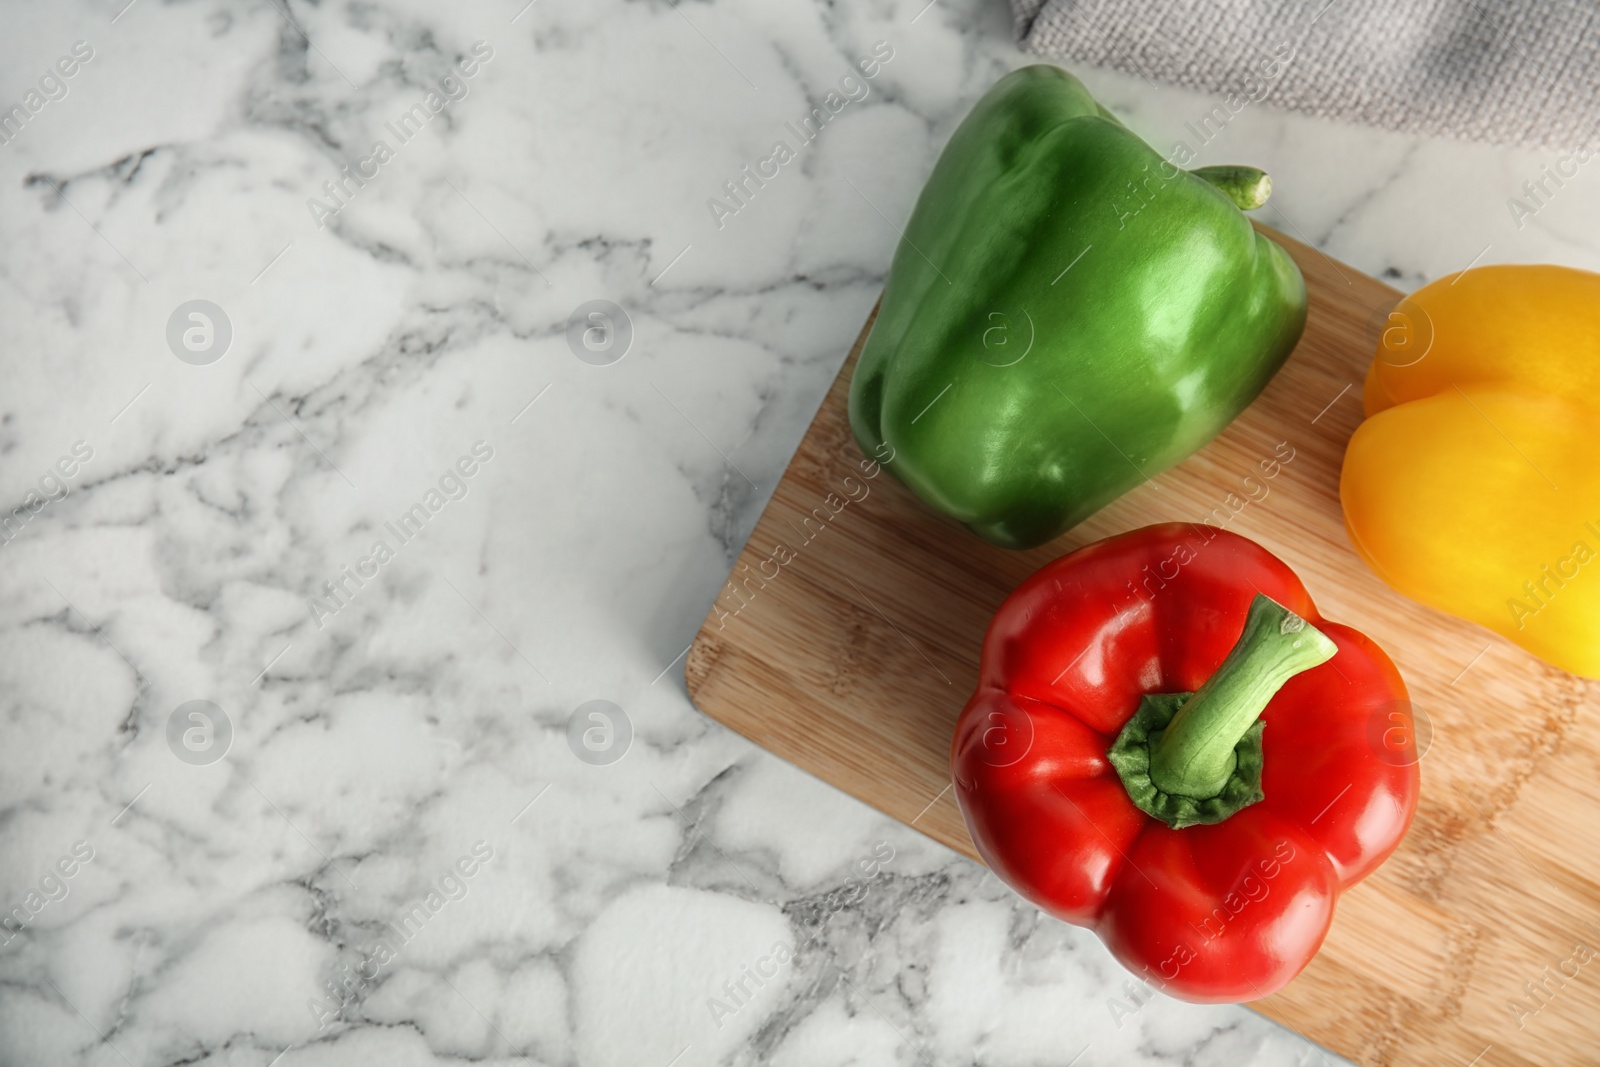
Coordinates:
x,y
853,662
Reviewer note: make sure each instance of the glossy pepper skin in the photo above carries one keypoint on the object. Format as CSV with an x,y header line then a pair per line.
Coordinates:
x,y
1226,911
1473,486
1067,315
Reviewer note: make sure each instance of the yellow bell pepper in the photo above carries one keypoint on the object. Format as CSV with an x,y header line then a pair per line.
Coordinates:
x,y
1473,484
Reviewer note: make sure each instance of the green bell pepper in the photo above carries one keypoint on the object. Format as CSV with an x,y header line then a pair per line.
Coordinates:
x,y
1067,314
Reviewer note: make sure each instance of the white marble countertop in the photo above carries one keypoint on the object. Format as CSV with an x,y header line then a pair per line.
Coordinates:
x,y
379,845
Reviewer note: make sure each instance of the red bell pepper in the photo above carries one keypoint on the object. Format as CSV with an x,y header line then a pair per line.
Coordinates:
x,y
1170,746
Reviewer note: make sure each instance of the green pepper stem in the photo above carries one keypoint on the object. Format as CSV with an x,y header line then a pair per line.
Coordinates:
x,y
1247,187
1194,756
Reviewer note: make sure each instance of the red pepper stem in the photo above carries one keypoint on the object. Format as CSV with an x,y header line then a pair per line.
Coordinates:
x,y
1194,756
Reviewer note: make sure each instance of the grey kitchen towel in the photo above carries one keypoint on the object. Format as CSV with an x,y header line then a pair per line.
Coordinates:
x,y
1508,71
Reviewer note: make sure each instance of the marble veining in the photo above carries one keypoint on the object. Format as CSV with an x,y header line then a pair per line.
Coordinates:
x,y
272,794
